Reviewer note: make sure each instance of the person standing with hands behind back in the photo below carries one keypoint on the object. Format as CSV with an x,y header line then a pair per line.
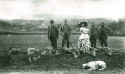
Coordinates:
x,y
65,33
53,35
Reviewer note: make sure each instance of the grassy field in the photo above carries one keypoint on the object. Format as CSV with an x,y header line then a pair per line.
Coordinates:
x,y
56,64
116,43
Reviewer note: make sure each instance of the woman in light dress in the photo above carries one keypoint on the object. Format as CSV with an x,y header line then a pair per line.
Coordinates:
x,y
83,41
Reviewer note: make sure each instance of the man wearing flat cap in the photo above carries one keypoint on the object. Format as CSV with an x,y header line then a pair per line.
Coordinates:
x,y
53,35
65,33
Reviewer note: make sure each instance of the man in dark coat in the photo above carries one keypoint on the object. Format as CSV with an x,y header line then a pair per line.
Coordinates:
x,y
93,35
53,35
103,34
65,33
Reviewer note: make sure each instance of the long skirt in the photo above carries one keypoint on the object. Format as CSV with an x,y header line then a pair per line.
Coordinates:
x,y
84,45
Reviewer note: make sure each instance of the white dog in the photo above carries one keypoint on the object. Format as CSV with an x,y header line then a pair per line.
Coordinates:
x,y
94,65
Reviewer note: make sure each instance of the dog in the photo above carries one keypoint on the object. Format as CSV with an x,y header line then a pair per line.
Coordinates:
x,y
94,65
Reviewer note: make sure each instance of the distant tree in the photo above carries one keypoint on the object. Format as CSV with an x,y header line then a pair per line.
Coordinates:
x,y
4,24
120,25
117,28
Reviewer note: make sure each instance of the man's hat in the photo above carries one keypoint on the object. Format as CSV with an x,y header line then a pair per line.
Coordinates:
x,y
51,21
102,24
81,24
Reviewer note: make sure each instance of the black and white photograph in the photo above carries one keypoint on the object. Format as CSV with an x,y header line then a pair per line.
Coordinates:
x,y
62,36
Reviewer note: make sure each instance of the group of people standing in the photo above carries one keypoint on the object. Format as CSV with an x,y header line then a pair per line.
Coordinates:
x,y
88,36
100,33
53,34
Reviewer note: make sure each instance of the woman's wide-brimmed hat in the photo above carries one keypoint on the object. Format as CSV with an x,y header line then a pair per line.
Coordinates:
x,y
82,24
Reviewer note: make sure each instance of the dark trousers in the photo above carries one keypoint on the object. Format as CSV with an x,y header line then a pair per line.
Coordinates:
x,y
65,37
53,42
93,41
103,42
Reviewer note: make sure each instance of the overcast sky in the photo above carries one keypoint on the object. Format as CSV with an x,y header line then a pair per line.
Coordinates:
x,y
25,9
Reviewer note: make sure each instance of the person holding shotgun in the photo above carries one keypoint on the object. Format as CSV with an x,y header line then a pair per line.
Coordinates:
x,y
65,33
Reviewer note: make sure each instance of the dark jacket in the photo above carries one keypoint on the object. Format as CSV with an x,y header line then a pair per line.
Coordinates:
x,y
103,32
53,31
94,31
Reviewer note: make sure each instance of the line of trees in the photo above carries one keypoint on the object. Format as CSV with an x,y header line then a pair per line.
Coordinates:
x,y
117,28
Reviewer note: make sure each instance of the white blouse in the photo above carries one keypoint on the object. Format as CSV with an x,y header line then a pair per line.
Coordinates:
x,y
84,33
